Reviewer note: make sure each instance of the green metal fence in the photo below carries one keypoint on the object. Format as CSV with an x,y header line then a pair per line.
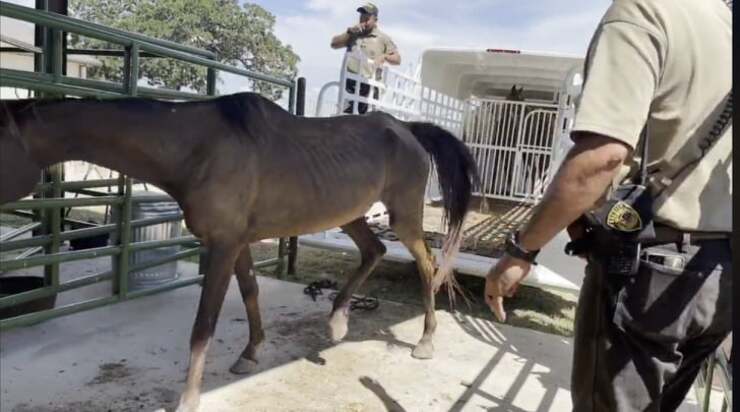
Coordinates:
x,y
46,208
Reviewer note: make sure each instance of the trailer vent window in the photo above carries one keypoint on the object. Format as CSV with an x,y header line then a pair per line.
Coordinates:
x,y
503,51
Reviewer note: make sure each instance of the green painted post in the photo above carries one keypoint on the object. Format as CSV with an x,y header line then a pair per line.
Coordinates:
x,y
124,239
280,268
300,110
211,91
211,82
56,50
39,39
283,254
56,223
291,98
131,69
41,65
51,270
54,62
125,184
116,236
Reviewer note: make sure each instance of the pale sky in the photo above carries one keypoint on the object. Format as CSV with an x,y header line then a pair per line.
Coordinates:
x,y
562,26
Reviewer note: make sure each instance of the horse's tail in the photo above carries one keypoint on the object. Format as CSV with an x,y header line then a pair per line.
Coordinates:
x,y
457,174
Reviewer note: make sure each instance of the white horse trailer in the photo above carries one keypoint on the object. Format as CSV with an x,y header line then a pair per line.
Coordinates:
x,y
519,110
517,144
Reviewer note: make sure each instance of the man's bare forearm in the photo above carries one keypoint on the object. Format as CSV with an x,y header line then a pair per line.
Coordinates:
x,y
340,40
393,58
583,178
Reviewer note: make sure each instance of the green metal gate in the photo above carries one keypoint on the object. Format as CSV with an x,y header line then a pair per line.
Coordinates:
x,y
48,203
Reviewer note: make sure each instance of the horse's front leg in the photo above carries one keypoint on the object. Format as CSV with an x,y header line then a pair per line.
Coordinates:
x,y
222,257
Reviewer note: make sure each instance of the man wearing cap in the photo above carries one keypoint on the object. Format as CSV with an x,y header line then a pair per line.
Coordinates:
x,y
373,43
653,306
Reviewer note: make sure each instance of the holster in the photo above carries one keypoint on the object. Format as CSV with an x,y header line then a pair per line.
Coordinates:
x,y
614,232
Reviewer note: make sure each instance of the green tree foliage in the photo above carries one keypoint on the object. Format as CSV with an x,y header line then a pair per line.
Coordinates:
x,y
239,35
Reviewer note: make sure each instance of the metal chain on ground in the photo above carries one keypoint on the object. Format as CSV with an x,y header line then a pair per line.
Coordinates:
x,y
356,302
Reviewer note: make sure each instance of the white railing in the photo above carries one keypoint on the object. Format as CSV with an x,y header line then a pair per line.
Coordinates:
x,y
398,93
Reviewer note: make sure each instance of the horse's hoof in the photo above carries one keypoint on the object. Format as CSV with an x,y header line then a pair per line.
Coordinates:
x,y
423,350
182,407
243,366
338,326
188,403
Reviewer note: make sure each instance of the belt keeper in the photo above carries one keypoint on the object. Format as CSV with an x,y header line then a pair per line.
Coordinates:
x,y
685,242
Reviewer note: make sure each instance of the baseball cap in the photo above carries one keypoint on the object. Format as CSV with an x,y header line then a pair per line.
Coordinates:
x,y
368,8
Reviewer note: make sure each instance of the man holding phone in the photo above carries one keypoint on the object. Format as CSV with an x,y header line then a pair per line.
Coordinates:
x,y
373,43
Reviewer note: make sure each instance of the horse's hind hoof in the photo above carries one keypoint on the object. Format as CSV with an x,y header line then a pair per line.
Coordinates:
x,y
243,366
338,326
186,406
423,351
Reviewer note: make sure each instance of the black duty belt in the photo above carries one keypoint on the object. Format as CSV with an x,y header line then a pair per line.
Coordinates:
x,y
667,234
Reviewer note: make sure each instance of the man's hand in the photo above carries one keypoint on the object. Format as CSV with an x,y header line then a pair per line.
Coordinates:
x,y
356,29
503,281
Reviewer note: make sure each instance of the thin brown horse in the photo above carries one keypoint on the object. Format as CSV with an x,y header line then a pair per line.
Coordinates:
x,y
243,169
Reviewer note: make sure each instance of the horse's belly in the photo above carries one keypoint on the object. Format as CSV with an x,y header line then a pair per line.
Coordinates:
x,y
305,194
298,219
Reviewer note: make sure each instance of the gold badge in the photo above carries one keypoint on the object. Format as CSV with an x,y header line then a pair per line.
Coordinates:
x,y
624,218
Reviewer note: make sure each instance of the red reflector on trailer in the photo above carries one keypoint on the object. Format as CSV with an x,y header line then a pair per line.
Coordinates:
x,y
503,51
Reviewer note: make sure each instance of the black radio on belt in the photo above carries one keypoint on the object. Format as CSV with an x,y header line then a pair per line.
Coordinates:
x,y
619,226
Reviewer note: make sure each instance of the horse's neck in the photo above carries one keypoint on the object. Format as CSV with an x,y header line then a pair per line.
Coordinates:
x,y
137,143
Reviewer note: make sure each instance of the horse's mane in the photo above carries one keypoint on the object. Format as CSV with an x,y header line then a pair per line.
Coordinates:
x,y
235,107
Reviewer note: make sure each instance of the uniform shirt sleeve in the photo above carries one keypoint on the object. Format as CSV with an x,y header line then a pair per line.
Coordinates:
x,y
622,72
390,46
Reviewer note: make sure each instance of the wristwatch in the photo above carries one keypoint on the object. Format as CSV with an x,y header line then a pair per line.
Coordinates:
x,y
515,250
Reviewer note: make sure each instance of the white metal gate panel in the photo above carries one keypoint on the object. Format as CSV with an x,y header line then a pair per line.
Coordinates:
x,y
512,143
535,152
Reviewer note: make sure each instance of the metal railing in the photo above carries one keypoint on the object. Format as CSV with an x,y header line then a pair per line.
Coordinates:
x,y
48,203
717,366
398,93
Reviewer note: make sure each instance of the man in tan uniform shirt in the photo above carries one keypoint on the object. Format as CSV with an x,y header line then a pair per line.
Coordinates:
x,y
373,43
640,340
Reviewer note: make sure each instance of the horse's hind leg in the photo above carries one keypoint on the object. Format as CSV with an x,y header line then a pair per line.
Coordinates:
x,y
407,224
371,251
215,283
250,291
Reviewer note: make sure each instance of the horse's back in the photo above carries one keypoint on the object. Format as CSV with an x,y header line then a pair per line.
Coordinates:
x,y
318,173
